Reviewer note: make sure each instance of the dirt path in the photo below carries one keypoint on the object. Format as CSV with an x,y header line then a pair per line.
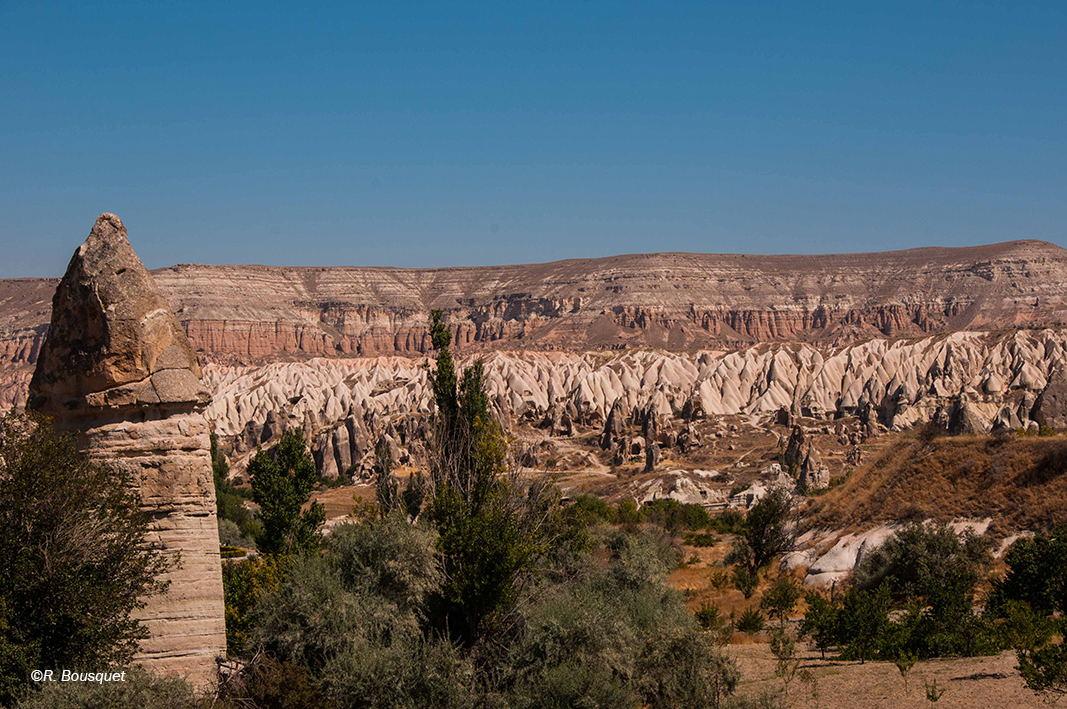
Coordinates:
x,y
969,683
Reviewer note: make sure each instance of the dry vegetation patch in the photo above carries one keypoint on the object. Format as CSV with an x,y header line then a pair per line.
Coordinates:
x,y
1018,481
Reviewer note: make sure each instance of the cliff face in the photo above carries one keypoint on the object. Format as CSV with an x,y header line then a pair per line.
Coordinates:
x,y
673,301
117,369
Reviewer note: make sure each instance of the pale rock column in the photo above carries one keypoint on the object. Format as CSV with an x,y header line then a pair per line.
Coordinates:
x,y
117,368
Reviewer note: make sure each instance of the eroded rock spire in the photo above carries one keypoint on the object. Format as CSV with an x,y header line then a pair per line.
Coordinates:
x,y
117,368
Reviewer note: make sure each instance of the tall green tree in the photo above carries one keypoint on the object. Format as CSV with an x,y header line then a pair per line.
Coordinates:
x,y
769,531
483,535
281,486
74,563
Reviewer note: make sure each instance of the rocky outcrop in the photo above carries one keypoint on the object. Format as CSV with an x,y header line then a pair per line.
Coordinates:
x,y
1050,409
117,368
964,380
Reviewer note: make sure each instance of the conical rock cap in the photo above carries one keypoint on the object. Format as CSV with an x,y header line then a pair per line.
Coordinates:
x,y
113,341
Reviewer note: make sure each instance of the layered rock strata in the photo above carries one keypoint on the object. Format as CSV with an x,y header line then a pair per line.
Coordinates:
x,y
117,368
255,314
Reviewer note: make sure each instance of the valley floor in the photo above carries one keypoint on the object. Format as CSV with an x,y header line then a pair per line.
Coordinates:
x,y
969,683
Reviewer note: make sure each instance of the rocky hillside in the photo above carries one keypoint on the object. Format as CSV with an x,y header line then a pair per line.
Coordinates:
x,y
969,382
674,301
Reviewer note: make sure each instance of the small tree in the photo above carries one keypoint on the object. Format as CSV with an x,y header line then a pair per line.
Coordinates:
x,y
769,531
781,598
74,563
281,486
820,622
745,581
905,662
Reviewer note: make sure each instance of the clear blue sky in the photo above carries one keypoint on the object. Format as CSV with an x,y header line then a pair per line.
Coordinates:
x,y
444,133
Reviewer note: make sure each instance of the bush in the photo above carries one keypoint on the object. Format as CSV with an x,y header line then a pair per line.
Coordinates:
x,y
141,689
408,673
729,522
685,669
1044,670
388,558
591,507
243,583
715,622
862,622
674,516
745,581
703,540
230,535
607,636
628,514
312,617
229,504
919,560
266,682
751,621
1037,574
74,565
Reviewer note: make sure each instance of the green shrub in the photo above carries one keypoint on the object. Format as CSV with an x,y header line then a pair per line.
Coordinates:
x,y
729,522
751,621
719,579
919,560
715,622
1037,574
685,669
243,583
141,689
628,514
862,622
1044,670
703,539
745,581
74,564
592,507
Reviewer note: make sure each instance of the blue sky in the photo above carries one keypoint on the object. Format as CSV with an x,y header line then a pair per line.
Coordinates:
x,y
438,133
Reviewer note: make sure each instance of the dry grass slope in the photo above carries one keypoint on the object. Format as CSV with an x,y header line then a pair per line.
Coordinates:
x,y
1019,481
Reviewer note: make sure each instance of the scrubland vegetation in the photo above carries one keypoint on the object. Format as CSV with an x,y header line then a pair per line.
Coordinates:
x,y
471,588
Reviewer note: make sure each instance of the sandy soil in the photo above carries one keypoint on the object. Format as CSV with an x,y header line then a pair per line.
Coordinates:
x,y
969,683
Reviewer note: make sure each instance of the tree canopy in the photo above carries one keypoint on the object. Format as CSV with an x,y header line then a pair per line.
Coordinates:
x,y
282,482
75,564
